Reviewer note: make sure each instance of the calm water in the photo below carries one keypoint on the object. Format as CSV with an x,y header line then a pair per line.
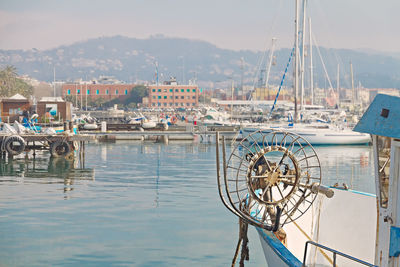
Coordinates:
x,y
135,204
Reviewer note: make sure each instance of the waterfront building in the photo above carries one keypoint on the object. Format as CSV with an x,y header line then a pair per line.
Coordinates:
x,y
172,95
95,91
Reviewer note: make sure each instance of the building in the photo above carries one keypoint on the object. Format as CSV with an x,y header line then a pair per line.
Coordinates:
x,y
94,91
13,108
55,107
172,95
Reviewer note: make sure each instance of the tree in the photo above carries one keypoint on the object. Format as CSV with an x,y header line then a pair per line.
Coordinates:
x,y
136,95
10,84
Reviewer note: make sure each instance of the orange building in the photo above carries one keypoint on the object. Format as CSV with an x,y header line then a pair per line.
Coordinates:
x,y
173,96
105,91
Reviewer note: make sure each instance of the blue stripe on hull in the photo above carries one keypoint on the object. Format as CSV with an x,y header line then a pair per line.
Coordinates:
x,y
279,249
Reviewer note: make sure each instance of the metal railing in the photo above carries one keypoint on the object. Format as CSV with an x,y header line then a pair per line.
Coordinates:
x,y
335,252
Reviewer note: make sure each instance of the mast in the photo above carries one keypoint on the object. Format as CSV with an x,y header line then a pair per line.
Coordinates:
x,y
54,80
296,59
338,85
241,75
86,92
352,84
232,88
302,56
311,66
271,55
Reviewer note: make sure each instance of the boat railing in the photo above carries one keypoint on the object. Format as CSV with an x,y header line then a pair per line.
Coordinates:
x,y
335,252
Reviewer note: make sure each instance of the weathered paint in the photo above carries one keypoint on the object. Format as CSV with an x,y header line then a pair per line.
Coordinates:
x,y
382,117
394,249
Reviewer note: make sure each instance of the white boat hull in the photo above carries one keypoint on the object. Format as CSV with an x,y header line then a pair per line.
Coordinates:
x,y
314,136
332,223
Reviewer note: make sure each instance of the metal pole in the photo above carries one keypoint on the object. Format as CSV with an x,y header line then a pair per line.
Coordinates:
x,y
302,56
296,58
311,66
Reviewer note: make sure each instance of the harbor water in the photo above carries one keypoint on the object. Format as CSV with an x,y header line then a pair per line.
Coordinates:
x,y
135,204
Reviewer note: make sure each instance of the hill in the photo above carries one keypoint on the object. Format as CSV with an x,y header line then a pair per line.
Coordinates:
x,y
132,60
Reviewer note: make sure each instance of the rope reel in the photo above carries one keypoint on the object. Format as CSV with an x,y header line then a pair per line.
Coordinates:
x,y
271,178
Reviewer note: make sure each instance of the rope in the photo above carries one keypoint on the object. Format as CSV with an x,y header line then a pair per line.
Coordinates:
x,y
280,86
243,240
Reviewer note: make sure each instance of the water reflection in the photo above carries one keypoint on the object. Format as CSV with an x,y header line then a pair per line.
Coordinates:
x,y
44,171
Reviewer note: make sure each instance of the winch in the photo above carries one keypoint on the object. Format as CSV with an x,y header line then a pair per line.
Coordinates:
x,y
270,178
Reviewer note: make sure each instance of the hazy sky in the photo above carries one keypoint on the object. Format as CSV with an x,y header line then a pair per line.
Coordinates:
x,y
233,24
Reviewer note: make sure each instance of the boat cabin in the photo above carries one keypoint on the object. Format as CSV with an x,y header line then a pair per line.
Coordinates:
x,y
382,121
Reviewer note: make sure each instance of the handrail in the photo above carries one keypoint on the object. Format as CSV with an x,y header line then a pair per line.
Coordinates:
x,y
334,255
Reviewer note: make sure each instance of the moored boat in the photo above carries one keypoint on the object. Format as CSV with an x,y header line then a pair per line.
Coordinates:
x,y
276,186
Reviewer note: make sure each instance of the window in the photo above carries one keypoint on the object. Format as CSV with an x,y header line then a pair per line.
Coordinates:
x,y
188,97
159,90
171,104
154,90
188,90
165,97
176,104
116,92
159,104
182,97
159,97
107,92
97,92
193,97
126,92
187,104
88,92
154,104
79,91
182,104
182,90
165,104
171,97
193,104
176,90
194,90
154,97
171,90
165,90
68,92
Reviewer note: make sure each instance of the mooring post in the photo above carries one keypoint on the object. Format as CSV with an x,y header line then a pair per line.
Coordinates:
x,y
71,126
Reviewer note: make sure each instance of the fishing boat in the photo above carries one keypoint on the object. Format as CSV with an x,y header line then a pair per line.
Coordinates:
x,y
276,186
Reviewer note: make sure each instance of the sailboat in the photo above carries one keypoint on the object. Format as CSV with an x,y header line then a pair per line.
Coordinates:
x,y
277,187
316,133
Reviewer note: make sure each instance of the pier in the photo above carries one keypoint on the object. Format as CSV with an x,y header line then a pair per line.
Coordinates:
x,y
59,145
175,133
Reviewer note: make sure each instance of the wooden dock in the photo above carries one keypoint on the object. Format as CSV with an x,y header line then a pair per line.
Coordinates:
x,y
59,145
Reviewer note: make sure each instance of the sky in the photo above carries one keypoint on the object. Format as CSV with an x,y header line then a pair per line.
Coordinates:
x,y
230,24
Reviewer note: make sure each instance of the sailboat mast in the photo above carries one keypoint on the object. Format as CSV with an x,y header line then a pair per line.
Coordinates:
x,y
311,65
296,59
352,84
302,56
338,85
271,55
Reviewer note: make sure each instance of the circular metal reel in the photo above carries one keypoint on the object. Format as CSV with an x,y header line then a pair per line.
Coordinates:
x,y
267,169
